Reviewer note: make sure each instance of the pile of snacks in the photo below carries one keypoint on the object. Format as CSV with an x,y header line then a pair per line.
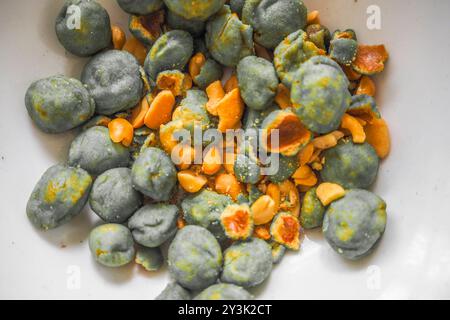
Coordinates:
x,y
226,221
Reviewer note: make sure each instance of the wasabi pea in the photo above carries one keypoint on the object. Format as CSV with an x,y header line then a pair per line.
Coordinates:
x,y
114,80
247,264
353,225
350,165
94,151
112,245
258,82
228,39
58,104
320,94
93,33
344,51
195,258
154,224
154,174
171,51
273,20
60,195
113,198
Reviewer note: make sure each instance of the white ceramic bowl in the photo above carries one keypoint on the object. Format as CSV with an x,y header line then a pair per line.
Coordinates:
x,y
413,259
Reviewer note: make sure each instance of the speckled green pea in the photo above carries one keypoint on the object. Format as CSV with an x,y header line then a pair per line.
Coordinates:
x,y
91,35
211,71
112,245
171,51
140,7
273,20
94,151
112,197
154,174
247,264
173,291
278,252
114,80
236,6
192,111
320,94
194,27
319,35
154,224
286,168
363,104
204,209
151,259
195,258
58,104
258,82
60,195
311,215
224,291
228,39
247,169
353,225
290,54
253,119
344,50
350,165
195,9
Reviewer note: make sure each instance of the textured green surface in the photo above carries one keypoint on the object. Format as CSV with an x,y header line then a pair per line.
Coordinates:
x,y
353,225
